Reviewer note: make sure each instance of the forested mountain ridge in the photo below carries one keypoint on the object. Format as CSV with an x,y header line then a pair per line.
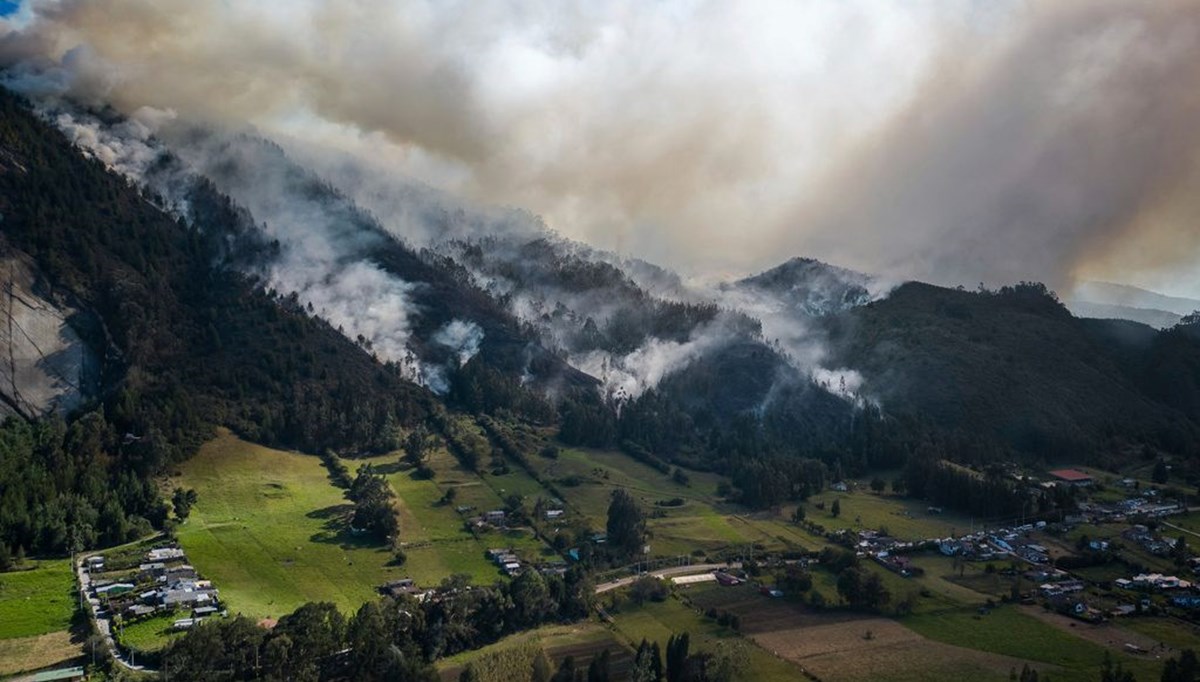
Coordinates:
x,y
1015,366
185,343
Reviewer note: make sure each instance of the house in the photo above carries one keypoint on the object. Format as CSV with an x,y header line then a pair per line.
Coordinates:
x,y
552,514
1072,477
138,610
840,486
397,588
95,564
203,611
185,597
495,517
113,589
512,567
183,624
68,674
164,554
153,569
727,580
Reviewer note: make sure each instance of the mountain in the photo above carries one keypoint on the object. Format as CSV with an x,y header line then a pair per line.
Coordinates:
x,y
809,287
1016,367
1159,319
1121,301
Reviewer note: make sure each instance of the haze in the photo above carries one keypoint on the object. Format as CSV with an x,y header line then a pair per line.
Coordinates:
x,y
953,142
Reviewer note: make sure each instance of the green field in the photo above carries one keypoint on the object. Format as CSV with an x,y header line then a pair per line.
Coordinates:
x,y
1007,631
657,621
1172,632
151,634
903,518
269,530
37,601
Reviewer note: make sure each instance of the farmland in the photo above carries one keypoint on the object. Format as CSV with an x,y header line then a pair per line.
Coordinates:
x,y
270,530
36,608
581,641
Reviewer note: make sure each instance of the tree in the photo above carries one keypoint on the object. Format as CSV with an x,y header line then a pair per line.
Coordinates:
x,y
182,500
543,671
566,671
647,663
677,655
798,514
648,588
878,484
598,669
836,509
1161,472
416,445
626,524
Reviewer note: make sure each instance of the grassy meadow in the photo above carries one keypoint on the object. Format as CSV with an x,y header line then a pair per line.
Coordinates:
x,y
269,529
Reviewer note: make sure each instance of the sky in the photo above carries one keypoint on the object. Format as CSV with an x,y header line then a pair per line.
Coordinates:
x,y
955,142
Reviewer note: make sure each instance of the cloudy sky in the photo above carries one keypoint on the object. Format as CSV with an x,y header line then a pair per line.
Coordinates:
x,y
955,142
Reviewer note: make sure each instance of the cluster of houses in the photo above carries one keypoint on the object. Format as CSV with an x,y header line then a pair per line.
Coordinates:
x,y
1147,505
507,560
1153,582
990,545
163,583
1151,542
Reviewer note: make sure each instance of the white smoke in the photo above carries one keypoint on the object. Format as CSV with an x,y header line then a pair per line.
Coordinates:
x,y
462,336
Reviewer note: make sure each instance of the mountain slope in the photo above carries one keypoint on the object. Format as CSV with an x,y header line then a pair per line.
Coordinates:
x,y
1012,365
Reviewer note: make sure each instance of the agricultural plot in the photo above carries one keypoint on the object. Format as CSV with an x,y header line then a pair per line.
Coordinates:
x,y
152,634
657,621
270,530
39,651
36,607
38,600
582,641
1165,631
1008,631
903,518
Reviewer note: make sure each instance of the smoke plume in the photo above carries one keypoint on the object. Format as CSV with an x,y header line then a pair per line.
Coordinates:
x,y
954,142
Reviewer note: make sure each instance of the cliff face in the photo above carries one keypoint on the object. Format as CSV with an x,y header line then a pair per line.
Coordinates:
x,y
45,366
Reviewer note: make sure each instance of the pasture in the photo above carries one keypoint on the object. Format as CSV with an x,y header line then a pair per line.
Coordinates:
x,y
271,531
39,651
904,519
582,641
151,634
657,621
1008,631
38,600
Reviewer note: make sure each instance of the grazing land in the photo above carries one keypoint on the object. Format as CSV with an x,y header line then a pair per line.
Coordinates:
x,y
582,641
36,608
38,600
23,654
151,634
657,621
903,518
272,531
1011,632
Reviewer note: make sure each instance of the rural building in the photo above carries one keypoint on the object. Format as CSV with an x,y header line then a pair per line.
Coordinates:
x,y
1072,477
113,589
164,554
68,674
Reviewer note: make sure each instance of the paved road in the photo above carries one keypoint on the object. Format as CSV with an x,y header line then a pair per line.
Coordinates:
x,y
664,573
103,625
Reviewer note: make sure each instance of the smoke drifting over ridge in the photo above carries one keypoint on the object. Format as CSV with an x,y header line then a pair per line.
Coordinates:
x,y
942,141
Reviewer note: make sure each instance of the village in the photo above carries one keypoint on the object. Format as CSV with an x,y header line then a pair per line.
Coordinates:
x,y
156,589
